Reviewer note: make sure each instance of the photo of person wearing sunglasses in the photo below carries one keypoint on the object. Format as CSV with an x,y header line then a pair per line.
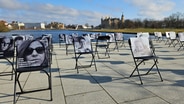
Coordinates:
x,y
6,47
32,53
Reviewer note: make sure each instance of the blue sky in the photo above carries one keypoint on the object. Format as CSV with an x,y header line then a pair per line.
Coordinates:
x,y
86,11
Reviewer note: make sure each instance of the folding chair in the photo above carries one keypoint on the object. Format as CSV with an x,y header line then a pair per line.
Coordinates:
x,y
112,41
167,34
172,38
140,49
32,56
47,40
158,36
94,37
68,42
83,47
61,39
119,40
7,53
181,40
103,44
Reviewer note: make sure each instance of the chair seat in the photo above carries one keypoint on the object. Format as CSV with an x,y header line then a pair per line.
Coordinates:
x,y
28,69
85,52
102,45
146,57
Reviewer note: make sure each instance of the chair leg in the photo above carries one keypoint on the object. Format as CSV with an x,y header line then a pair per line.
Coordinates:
x,y
181,45
136,69
93,60
76,65
139,76
15,87
159,72
50,83
155,64
66,49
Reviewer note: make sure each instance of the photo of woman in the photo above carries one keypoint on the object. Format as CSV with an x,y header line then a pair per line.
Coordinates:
x,y
32,53
7,46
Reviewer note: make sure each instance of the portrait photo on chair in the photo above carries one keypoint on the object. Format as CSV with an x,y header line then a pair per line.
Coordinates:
x,y
82,44
32,53
69,39
18,40
141,47
7,46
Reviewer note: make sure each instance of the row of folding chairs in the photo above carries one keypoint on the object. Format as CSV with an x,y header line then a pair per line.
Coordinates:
x,y
142,49
112,38
26,54
141,46
85,43
172,38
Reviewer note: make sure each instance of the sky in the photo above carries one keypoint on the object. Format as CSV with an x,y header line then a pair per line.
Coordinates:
x,y
86,11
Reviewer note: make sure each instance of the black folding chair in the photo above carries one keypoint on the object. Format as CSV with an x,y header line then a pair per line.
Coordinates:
x,y
83,47
119,38
61,39
32,56
47,40
103,44
68,42
173,39
140,49
167,34
112,42
7,53
158,36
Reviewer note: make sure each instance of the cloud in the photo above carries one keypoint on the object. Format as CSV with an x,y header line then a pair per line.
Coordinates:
x,y
154,9
11,5
14,10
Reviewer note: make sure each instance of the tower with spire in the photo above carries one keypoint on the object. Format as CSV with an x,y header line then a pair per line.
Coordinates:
x,y
113,23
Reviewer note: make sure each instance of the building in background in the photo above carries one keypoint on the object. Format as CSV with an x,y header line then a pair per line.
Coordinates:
x,y
34,25
17,25
113,23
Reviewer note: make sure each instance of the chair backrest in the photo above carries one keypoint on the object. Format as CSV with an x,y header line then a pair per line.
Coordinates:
x,y
103,38
167,34
112,37
181,36
172,35
6,47
18,39
118,36
68,39
158,34
29,37
47,38
143,34
32,53
140,47
61,37
82,44
95,35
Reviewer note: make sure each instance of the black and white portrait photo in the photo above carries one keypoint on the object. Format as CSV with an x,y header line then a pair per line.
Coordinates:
x,y
32,53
